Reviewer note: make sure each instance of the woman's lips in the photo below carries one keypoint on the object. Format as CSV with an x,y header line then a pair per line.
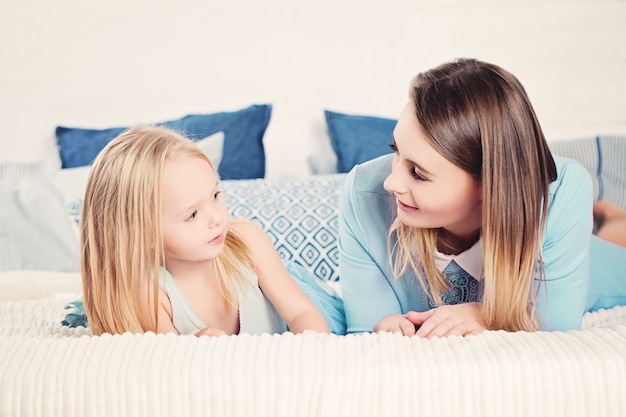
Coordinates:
x,y
405,207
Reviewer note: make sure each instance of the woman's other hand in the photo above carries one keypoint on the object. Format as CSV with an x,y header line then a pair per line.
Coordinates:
x,y
448,320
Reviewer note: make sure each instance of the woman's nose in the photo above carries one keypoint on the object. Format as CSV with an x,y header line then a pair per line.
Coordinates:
x,y
393,182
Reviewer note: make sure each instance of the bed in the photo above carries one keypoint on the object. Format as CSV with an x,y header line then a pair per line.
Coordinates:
x,y
282,95
47,369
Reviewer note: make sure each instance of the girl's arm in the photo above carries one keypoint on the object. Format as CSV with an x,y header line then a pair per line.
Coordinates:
x,y
164,320
294,307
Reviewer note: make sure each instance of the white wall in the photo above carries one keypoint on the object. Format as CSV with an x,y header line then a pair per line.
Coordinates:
x,y
97,64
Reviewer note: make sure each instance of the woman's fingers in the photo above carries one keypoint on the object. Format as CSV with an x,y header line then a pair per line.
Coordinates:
x,y
449,320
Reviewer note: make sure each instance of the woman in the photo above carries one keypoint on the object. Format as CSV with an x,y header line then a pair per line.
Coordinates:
x,y
471,223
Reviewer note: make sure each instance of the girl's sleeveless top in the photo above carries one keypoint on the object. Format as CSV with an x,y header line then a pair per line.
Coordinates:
x,y
257,315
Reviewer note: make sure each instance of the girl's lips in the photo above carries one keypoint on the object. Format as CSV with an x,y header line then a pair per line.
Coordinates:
x,y
217,240
404,207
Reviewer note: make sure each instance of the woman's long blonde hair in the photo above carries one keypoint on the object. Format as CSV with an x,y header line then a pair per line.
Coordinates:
x,y
120,231
478,116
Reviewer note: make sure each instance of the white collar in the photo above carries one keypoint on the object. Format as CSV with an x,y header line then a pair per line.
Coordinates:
x,y
471,260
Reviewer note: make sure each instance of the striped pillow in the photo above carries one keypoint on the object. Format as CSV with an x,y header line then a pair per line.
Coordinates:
x,y
605,158
35,231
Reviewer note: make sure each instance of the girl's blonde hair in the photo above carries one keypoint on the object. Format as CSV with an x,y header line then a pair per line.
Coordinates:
x,y
478,116
121,237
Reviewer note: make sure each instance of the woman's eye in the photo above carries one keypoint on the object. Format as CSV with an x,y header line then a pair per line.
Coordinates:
x,y
393,147
417,175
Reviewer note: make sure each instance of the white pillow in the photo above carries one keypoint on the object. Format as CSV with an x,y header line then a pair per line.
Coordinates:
x,y
325,164
213,147
72,182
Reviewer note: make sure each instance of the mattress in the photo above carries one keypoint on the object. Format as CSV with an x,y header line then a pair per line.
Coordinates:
x,y
50,370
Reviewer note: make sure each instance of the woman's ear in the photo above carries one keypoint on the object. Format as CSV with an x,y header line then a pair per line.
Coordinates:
x,y
479,187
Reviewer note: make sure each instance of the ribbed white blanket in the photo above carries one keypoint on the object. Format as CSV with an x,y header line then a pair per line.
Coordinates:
x,y
47,370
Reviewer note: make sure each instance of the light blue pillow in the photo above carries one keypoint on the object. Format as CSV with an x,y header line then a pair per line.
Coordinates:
x,y
356,139
35,231
243,151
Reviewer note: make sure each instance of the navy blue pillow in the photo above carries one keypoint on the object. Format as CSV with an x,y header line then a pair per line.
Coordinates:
x,y
243,153
356,139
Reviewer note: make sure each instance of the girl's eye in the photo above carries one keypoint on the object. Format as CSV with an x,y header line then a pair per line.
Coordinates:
x,y
217,195
192,215
393,147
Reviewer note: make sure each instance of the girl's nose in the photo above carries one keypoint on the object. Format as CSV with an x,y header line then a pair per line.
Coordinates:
x,y
215,217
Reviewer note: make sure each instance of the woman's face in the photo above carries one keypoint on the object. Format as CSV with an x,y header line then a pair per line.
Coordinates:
x,y
430,191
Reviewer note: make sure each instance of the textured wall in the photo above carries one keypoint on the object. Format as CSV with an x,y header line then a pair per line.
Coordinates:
x,y
85,63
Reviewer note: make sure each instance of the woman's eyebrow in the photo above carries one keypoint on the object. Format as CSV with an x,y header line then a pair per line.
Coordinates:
x,y
418,166
422,171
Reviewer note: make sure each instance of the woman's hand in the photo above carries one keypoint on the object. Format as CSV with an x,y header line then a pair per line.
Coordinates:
x,y
448,320
395,323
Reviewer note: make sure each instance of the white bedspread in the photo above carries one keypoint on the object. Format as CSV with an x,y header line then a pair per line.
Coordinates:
x,y
48,370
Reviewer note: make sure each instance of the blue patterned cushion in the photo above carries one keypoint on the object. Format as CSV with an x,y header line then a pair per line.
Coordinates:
x,y
300,215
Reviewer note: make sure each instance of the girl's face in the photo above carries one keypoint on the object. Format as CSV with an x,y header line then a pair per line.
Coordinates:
x,y
431,192
194,216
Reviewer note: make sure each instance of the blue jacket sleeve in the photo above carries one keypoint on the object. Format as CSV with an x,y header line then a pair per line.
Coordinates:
x,y
363,262
566,248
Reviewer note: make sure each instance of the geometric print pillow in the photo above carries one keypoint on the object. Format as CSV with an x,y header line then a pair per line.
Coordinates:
x,y
300,215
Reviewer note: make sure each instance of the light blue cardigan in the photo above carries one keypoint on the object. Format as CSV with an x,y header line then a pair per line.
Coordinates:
x,y
571,254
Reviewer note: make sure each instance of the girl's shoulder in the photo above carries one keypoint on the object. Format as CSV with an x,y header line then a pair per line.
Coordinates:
x,y
251,232
245,227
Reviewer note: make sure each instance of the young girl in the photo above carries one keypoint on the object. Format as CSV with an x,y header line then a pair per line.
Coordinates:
x,y
160,252
471,223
